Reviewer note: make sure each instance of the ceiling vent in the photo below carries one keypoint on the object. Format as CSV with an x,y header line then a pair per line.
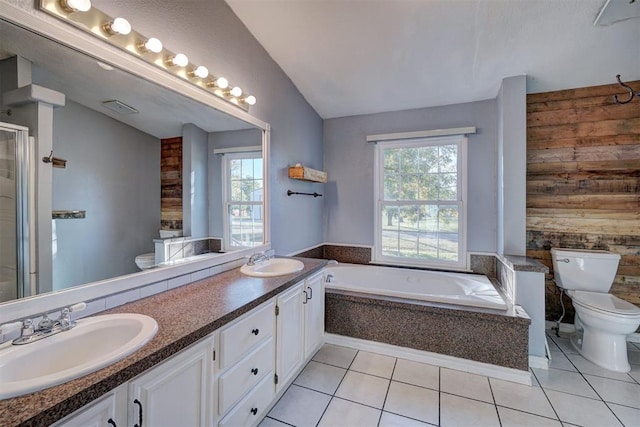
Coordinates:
x,y
119,107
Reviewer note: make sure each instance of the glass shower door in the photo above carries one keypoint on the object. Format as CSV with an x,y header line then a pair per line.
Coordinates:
x,y
14,235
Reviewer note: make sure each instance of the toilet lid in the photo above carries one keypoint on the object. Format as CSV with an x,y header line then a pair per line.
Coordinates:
x,y
605,302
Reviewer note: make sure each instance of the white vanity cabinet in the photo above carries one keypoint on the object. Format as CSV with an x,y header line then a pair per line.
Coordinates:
x,y
290,333
246,382
314,314
104,412
176,392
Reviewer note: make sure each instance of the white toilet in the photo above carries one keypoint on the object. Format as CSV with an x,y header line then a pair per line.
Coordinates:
x,y
602,320
146,261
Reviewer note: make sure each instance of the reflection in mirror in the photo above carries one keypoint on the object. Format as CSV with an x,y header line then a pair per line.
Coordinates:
x,y
139,161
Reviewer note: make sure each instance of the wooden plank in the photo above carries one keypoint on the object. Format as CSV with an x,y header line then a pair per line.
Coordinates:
x,y
584,213
583,186
582,115
307,174
584,154
584,225
587,141
582,201
545,240
594,101
583,92
585,175
577,130
618,166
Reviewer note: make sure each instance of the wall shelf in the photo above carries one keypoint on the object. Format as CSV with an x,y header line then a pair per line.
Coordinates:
x,y
307,174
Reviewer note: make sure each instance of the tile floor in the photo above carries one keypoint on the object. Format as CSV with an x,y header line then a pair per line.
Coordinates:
x,y
349,388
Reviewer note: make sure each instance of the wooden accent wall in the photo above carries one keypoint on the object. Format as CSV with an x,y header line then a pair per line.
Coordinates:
x,y
171,183
583,181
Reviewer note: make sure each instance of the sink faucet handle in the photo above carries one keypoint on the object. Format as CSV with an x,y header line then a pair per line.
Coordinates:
x,y
45,322
78,307
8,328
65,316
27,328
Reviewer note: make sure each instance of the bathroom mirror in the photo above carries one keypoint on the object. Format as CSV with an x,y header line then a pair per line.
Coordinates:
x,y
137,158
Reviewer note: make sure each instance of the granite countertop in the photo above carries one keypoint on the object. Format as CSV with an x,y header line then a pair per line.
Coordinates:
x,y
184,315
523,263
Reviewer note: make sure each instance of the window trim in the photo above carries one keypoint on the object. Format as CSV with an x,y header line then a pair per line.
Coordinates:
x,y
227,202
462,202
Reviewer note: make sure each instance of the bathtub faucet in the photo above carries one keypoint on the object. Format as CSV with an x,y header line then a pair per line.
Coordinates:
x,y
329,278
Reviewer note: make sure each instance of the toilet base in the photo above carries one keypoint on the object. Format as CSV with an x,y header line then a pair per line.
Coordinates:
x,y
603,349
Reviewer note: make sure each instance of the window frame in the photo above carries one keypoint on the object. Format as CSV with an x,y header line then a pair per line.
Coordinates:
x,y
227,202
462,202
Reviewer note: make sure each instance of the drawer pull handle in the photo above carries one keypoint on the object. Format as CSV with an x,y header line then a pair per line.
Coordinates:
x,y
310,292
254,411
137,402
111,422
255,331
306,297
254,371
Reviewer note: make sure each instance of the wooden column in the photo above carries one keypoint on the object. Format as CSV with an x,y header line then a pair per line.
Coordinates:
x,y
171,183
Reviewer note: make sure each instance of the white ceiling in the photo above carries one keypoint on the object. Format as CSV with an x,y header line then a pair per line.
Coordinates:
x,y
351,57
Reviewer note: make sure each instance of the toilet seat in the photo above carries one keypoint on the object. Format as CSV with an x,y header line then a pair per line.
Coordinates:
x,y
605,303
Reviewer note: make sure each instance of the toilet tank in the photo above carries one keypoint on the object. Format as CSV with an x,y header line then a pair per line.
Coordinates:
x,y
584,270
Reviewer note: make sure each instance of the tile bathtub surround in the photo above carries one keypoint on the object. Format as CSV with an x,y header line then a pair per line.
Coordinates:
x,y
344,254
211,305
419,394
476,334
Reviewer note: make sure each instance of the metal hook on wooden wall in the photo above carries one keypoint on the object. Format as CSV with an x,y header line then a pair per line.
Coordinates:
x,y
628,88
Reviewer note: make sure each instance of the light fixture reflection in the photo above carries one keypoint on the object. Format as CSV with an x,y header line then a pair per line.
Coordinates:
x,y
73,6
178,60
118,26
251,100
220,82
235,91
151,45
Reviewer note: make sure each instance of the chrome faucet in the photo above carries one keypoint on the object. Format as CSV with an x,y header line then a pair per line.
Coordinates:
x,y
47,327
329,278
260,257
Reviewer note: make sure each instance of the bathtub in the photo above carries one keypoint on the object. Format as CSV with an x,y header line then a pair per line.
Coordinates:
x,y
434,286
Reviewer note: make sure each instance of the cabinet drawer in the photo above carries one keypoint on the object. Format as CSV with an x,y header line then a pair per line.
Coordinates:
x,y
252,408
246,333
246,374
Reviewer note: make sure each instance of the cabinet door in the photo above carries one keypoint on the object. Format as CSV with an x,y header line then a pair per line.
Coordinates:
x,y
290,333
314,314
102,413
176,392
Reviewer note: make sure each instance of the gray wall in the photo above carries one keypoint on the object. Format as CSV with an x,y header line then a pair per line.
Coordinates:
x,y
195,179
113,172
348,159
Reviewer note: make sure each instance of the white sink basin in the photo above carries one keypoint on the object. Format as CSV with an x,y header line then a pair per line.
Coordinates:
x,y
95,342
272,267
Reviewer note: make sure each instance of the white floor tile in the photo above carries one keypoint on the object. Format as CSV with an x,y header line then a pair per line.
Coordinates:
x,y
581,410
564,344
458,411
614,391
413,402
512,418
320,377
373,364
392,420
634,356
335,355
565,381
300,407
630,417
521,397
420,374
363,388
560,361
270,422
635,373
342,413
465,384
587,367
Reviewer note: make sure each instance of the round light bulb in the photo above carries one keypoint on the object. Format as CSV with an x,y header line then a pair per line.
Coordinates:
x,y
152,45
235,91
72,6
251,100
118,26
201,72
179,60
222,83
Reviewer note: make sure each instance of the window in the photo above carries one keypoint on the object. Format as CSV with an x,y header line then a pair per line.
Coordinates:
x,y
243,200
421,210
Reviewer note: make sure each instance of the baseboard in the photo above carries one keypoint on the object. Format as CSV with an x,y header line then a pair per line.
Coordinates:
x,y
473,367
568,327
538,362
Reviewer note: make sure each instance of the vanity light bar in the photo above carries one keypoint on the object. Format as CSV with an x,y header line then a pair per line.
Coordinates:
x,y
118,32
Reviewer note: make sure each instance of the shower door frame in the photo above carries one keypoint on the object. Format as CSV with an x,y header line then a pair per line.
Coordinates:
x,y
24,233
